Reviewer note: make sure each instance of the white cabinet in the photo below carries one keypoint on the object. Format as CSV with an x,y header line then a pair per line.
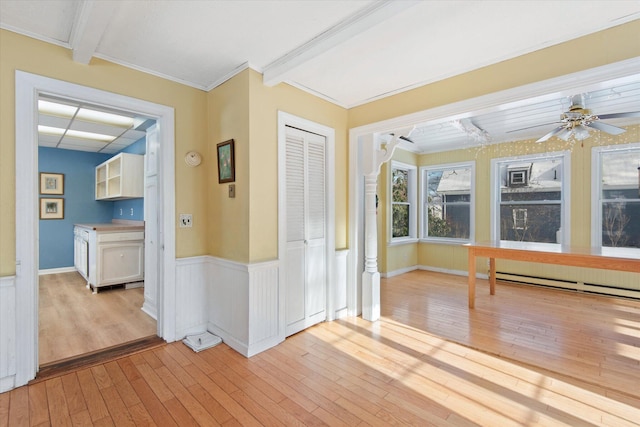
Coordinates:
x,y
114,255
120,177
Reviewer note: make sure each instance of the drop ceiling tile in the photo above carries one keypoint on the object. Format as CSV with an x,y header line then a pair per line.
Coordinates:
x,y
133,134
53,121
48,140
86,144
98,128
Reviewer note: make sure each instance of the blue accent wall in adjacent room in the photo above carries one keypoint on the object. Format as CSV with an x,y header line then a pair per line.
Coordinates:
x,y
80,206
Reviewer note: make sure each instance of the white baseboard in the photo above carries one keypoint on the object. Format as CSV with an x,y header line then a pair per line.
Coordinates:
x,y
454,272
7,383
56,271
393,273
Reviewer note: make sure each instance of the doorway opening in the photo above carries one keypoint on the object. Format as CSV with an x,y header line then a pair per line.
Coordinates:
x,y
29,87
90,293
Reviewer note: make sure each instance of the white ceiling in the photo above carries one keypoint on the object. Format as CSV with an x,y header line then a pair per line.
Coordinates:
x,y
348,52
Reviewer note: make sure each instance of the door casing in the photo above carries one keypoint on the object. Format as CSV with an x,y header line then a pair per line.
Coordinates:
x,y
28,88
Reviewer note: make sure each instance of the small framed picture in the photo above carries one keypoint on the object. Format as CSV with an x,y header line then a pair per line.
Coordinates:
x,y
52,208
226,166
51,183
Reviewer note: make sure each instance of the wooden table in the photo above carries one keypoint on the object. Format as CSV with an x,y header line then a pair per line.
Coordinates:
x,y
602,258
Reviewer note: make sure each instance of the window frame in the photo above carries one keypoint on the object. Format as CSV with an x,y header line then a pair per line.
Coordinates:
x,y
596,195
412,189
565,195
424,226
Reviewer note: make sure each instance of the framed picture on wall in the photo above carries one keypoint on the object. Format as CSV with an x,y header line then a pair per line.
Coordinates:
x,y
51,183
52,208
226,166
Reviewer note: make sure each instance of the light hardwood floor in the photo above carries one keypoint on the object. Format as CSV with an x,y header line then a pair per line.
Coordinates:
x,y
531,356
73,321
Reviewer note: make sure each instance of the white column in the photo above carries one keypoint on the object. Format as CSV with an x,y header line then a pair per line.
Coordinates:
x,y
373,157
370,276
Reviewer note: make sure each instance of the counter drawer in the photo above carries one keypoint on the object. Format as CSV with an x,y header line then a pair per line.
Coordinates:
x,y
120,237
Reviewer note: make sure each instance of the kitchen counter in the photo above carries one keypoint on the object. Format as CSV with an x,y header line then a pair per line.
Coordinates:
x,y
115,226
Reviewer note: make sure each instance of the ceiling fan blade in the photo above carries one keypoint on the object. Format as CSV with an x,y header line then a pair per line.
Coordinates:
x,y
619,115
531,127
552,133
613,130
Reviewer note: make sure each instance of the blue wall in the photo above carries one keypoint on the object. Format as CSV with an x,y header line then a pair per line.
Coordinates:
x,y
80,206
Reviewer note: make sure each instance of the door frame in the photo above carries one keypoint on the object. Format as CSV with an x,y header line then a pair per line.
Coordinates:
x,y
28,88
284,120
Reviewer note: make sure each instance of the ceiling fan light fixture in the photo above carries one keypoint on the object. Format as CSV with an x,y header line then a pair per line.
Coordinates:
x,y
581,132
565,134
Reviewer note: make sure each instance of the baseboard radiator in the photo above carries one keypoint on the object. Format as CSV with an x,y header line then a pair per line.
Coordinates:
x,y
569,285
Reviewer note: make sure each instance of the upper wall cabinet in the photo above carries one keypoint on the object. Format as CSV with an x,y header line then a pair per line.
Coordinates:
x,y
120,177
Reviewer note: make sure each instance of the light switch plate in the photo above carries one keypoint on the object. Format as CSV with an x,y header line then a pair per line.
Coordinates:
x,y
232,190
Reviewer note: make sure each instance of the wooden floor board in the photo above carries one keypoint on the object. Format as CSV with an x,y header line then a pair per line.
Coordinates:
x,y
73,321
526,356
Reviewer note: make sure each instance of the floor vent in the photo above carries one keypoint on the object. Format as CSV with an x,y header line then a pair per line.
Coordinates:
x,y
569,285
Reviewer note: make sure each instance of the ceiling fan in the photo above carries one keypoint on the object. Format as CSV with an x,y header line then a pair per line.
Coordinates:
x,y
578,121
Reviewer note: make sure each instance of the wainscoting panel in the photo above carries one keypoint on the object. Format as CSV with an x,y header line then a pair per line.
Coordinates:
x,y
191,295
340,289
264,307
228,310
244,306
7,333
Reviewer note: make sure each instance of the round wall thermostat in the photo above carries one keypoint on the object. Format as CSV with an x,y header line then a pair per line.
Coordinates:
x,y
193,158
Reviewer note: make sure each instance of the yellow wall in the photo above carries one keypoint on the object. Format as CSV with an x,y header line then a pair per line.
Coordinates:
x,y
228,118
33,56
246,228
265,104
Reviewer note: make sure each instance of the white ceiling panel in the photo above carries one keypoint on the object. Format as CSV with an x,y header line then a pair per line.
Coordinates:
x,y
50,20
200,42
434,40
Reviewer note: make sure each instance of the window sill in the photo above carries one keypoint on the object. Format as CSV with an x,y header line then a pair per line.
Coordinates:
x,y
445,241
402,241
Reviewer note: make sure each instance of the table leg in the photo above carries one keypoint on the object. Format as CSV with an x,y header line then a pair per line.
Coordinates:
x,y
472,277
492,276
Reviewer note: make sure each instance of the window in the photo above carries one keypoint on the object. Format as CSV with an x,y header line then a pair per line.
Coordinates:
x,y
616,201
528,195
448,202
403,206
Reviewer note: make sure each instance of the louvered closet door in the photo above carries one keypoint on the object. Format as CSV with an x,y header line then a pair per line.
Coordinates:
x,y
305,264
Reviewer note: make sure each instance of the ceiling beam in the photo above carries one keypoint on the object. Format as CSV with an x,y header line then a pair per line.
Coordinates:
x,y
374,14
92,18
